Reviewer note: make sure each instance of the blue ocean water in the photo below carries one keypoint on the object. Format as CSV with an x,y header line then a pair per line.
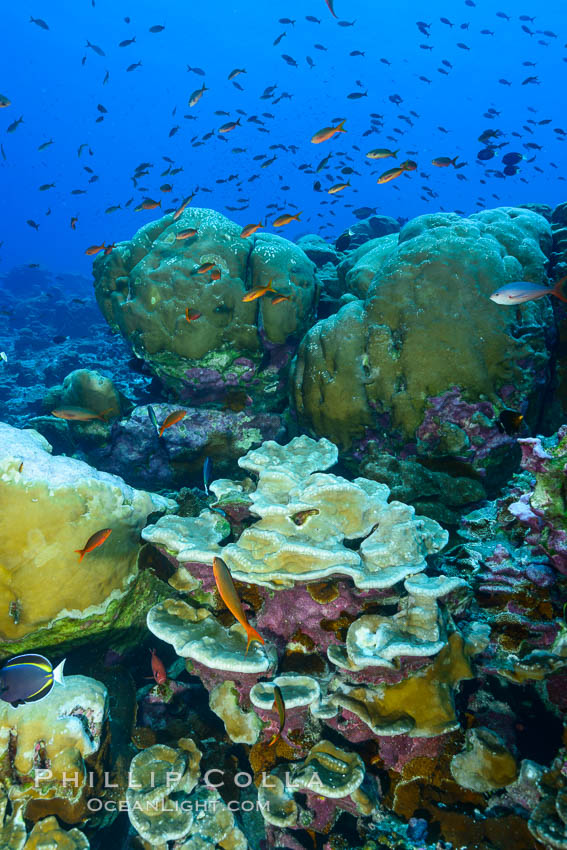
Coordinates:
x,y
56,84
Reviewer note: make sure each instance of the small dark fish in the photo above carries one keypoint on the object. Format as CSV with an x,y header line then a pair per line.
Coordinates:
x,y
98,50
278,39
509,421
134,66
32,223
207,474
39,23
15,124
301,516
331,7
279,704
289,59
59,340
127,41
153,418
512,158
355,95
156,28
28,678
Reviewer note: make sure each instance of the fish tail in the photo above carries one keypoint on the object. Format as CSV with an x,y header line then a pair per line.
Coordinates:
x,y
296,217
274,739
454,161
82,553
270,287
558,289
395,153
340,128
58,674
252,635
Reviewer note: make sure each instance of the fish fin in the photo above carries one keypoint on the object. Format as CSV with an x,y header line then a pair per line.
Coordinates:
x,y
270,287
274,739
340,128
58,673
104,413
252,635
454,161
296,217
17,703
395,153
80,552
558,289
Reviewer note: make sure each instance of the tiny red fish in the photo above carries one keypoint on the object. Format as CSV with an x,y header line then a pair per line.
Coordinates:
x,y
204,268
158,669
95,540
191,315
94,249
172,419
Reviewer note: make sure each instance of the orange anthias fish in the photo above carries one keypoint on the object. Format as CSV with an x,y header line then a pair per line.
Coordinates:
x,y
204,268
109,249
216,274
74,221
279,704
95,540
391,174
179,211
259,291
330,4
328,132
94,249
230,125
231,599
281,298
188,233
285,219
191,315
81,414
172,419
250,229
147,204
338,187
158,669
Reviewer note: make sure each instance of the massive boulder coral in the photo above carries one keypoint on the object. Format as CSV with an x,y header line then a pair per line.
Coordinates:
x,y
144,286
49,507
426,362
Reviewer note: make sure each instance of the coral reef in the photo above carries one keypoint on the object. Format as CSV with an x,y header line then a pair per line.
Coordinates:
x,y
144,287
50,506
44,747
425,363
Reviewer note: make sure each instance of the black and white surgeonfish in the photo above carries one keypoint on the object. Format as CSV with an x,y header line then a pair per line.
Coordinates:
x,y
28,678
